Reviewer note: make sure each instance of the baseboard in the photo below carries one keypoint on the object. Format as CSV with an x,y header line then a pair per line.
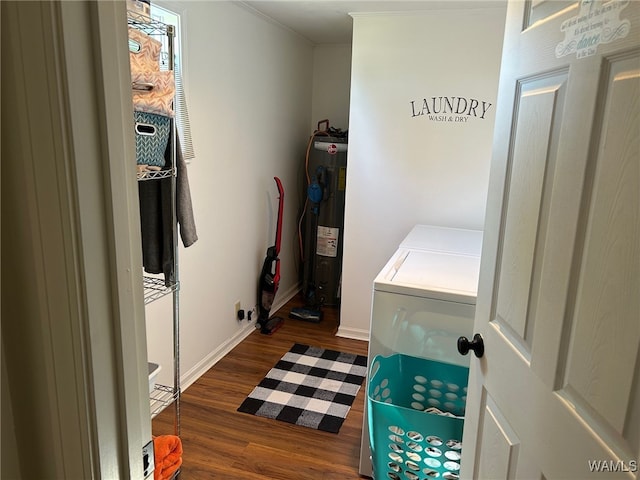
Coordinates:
x,y
354,333
215,356
283,297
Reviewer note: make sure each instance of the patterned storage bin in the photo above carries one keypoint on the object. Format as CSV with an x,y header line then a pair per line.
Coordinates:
x,y
152,136
408,443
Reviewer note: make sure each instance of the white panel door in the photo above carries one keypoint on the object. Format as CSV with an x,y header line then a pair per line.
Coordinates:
x,y
557,393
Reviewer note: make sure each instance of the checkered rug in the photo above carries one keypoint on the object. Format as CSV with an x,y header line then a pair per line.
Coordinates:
x,y
309,386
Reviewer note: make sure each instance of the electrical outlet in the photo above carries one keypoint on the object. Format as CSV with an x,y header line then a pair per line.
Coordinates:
x,y
148,461
239,311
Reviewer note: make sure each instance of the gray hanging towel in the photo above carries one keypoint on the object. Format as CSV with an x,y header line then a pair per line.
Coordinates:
x,y
185,208
156,222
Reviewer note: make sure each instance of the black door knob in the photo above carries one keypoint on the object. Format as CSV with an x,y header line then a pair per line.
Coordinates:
x,y
477,345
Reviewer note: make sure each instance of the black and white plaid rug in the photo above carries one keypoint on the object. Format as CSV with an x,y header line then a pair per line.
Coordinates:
x,y
309,386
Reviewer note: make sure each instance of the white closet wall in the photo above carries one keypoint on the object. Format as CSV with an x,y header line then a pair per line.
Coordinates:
x,y
331,85
248,89
405,170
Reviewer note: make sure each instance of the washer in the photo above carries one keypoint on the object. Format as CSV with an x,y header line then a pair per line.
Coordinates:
x,y
423,301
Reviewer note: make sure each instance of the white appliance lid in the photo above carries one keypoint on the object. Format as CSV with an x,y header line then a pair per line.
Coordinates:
x,y
444,239
427,274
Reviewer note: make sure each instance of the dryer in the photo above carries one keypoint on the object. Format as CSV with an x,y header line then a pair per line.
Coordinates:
x,y
423,301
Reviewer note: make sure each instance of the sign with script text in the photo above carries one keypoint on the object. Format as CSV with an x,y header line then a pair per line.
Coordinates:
x,y
596,23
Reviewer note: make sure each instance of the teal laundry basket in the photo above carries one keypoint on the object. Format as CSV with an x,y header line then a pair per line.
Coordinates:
x,y
408,443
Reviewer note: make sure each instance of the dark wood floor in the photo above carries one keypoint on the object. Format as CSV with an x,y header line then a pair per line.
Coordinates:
x,y
220,442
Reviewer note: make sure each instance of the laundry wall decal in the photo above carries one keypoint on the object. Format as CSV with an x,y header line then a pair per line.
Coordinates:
x,y
450,108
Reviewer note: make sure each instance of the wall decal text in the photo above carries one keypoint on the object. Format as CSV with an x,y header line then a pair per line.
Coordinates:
x,y
595,24
449,109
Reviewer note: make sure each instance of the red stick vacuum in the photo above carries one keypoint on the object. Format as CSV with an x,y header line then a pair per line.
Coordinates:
x,y
270,276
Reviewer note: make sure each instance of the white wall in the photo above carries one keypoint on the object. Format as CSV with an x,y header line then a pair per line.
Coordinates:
x,y
248,89
404,169
331,85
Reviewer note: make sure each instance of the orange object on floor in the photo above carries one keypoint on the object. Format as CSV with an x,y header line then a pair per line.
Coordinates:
x,y
168,456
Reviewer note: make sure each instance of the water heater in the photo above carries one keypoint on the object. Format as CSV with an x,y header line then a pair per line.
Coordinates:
x,y
324,220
